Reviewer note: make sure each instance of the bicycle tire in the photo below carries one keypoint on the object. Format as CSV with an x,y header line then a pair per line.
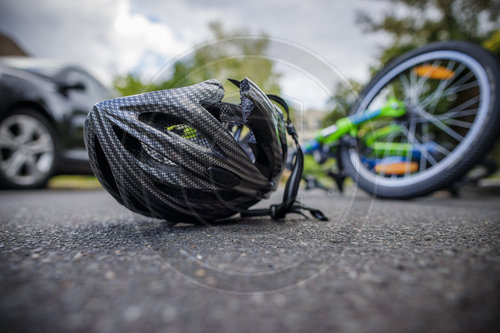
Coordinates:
x,y
466,152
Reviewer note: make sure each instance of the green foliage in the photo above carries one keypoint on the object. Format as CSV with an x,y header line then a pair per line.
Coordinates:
x,y
319,171
130,84
230,55
493,43
413,23
341,102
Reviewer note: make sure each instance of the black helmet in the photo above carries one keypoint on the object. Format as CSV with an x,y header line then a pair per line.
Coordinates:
x,y
178,154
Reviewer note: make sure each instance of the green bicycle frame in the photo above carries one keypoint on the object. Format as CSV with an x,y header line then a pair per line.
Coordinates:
x,y
331,135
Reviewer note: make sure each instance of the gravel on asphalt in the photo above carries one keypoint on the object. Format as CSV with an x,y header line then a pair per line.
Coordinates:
x,y
76,261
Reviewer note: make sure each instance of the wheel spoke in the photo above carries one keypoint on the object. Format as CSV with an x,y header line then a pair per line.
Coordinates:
x,y
419,146
7,139
438,123
437,94
390,138
33,170
412,89
468,103
42,145
13,165
453,88
412,140
441,149
432,97
456,114
460,88
404,81
28,128
463,80
460,123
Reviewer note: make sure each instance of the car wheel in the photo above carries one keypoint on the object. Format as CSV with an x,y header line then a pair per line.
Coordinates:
x,y
28,150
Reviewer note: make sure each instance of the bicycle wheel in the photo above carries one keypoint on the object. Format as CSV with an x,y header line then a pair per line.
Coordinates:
x,y
451,94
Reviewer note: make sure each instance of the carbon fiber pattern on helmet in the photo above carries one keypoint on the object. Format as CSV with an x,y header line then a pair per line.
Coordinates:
x,y
263,113
153,152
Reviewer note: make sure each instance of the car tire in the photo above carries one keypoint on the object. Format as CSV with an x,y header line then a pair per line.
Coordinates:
x,y
28,149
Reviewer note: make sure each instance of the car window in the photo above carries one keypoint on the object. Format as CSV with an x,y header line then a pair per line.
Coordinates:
x,y
93,92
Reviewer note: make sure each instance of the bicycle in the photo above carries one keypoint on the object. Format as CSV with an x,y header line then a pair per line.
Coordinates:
x,y
424,121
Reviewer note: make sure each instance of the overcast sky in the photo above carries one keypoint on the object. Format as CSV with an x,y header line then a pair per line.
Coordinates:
x,y
110,37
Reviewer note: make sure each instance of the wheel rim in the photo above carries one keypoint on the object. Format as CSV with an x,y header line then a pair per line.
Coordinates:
x,y
26,150
456,128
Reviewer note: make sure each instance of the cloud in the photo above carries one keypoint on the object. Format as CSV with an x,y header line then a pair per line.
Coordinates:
x,y
141,43
102,36
326,27
111,37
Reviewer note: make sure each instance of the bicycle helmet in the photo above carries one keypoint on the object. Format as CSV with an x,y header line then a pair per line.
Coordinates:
x,y
172,154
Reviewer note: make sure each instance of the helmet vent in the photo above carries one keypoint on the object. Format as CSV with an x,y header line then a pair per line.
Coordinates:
x,y
158,157
190,133
128,141
213,109
167,123
140,150
159,120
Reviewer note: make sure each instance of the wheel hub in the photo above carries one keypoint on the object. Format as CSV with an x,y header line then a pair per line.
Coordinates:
x,y
27,149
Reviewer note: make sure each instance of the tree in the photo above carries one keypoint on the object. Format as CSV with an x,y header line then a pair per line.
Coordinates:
x,y
341,102
413,23
230,55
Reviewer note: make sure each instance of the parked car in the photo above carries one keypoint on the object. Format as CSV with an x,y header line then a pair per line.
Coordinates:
x,y
43,105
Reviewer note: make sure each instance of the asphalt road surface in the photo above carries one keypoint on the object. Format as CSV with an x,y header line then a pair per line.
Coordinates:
x,y
76,261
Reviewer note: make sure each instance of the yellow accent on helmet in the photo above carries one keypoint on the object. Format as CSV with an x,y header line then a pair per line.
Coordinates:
x,y
188,132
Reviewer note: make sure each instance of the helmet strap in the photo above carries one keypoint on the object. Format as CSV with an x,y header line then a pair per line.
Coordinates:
x,y
289,204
